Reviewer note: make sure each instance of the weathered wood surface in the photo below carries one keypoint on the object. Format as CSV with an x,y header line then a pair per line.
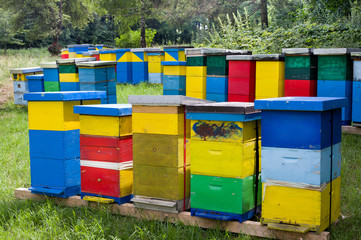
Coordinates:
x,y
351,130
248,227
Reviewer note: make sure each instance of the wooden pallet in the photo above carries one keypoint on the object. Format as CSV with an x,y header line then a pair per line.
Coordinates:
x,y
248,227
351,130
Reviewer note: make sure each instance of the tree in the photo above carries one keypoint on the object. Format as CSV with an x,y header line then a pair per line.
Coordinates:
x,y
264,14
47,17
7,32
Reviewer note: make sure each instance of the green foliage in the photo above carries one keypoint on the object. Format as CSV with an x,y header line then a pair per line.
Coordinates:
x,y
131,39
7,30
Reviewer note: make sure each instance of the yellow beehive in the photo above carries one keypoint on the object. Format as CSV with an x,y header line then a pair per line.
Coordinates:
x,y
307,208
108,55
154,63
55,115
270,76
175,70
106,125
68,77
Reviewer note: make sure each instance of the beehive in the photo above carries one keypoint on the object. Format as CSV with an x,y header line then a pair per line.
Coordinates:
x,y
92,53
155,68
270,75
64,53
242,78
301,162
174,78
356,89
139,65
217,73
36,83
124,65
106,161
54,141
68,73
196,73
175,53
20,82
107,55
160,133
224,150
334,76
98,76
300,72
51,77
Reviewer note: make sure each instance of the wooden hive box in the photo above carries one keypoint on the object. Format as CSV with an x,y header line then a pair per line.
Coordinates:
x,y
51,77
174,78
64,53
301,162
175,53
124,65
106,161
54,141
155,68
36,83
356,88
160,134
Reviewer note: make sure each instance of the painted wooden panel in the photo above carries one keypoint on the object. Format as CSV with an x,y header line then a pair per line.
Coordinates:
x,y
223,131
300,88
240,98
69,86
303,207
356,101
161,182
357,70
105,125
154,67
51,74
66,68
301,165
108,56
175,70
301,67
217,97
124,153
103,141
51,86
224,194
200,95
196,84
69,77
269,79
196,71
242,69
160,150
155,78
158,123
217,85
334,67
241,86
52,115
223,159
20,86
157,109
174,82
197,61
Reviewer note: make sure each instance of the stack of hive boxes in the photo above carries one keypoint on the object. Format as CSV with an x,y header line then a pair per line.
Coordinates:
x,y
106,154
300,72
174,67
139,65
301,162
356,89
161,162
217,73
196,73
242,78
73,49
68,73
92,53
36,83
98,76
51,77
20,83
155,68
124,65
225,160
54,141
335,75
270,75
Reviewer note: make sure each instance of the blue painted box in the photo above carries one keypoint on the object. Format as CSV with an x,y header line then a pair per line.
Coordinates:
x,y
36,83
356,88
70,86
174,82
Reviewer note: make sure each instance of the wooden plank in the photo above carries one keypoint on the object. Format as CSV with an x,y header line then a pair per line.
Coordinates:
x,y
351,130
248,227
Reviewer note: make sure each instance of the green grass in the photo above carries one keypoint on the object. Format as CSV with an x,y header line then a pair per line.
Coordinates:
x,y
45,220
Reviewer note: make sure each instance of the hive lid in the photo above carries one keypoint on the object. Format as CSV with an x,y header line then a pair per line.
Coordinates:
x,y
121,50
223,107
222,52
105,51
300,103
65,96
96,63
174,63
335,51
49,65
35,77
116,110
144,49
153,50
165,100
269,57
297,51
75,60
176,48
25,70
240,57
197,51
79,45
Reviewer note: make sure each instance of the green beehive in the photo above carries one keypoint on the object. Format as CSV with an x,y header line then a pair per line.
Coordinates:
x,y
301,67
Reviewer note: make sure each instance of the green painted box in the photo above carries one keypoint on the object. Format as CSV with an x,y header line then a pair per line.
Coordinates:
x,y
199,61
228,195
51,86
217,65
335,67
301,67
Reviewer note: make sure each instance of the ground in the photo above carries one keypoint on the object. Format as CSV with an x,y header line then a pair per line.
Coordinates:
x,y
45,220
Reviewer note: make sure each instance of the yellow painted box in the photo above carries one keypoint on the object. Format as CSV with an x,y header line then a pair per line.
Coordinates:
x,y
270,79
161,182
69,77
180,56
196,87
105,125
54,115
155,67
175,70
196,71
224,159
223,131
160,150
301,207
127,57
107,56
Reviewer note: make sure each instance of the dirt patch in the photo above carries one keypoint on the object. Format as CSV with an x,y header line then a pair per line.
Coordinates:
x,y
6,92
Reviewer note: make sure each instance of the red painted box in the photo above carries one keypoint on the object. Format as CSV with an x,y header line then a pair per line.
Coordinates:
x,y
300,88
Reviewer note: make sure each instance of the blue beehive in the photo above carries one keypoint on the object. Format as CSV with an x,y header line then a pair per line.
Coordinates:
x,y
51,77
36,83
98,76
139,65
124,65
356,89
54,141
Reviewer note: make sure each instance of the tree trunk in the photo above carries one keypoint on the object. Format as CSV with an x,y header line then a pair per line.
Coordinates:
x,y
264,14
143,43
